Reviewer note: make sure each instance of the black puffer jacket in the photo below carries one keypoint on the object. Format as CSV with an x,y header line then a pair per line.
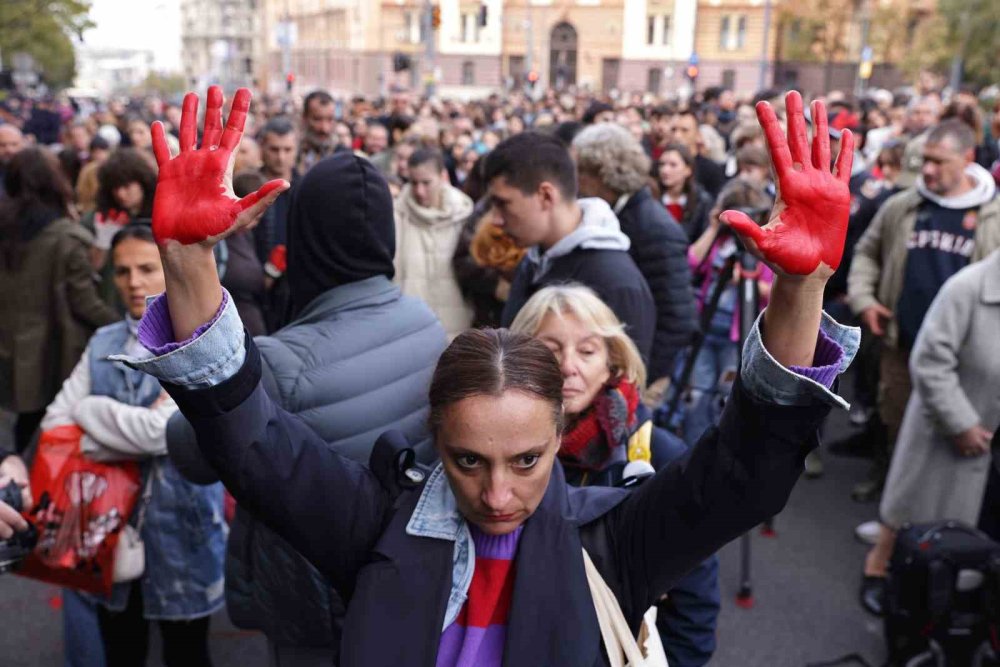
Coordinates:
x,y
659,249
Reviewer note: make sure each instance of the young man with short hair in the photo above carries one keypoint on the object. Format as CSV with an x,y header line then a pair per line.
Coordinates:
x,y
533,187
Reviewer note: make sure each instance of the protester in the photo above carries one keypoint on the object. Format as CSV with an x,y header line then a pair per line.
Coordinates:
x,y
355,359
244,274
686,200
495,414
49,304
318,140
123,416
719,353
278,153
612,165
607,427
532,185
11,142
685,130
942,460
430,214
918,239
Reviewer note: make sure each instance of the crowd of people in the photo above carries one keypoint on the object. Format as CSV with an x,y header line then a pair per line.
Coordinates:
x,y
425,251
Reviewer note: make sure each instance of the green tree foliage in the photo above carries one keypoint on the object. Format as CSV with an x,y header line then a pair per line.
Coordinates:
x,y
44,29
968,28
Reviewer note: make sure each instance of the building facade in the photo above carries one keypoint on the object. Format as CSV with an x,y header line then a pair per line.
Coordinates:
x,y
479,46
221,42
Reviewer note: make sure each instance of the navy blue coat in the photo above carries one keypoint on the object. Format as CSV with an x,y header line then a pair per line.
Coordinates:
x,y
351,523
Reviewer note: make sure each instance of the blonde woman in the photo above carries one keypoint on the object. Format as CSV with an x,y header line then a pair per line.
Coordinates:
x,y
607,426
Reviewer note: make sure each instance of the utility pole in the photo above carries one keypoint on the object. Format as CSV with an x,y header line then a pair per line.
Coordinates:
x,y
765,55
958,62
864,72
429,53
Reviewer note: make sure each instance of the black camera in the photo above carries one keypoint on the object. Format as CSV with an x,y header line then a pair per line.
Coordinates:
x,y
14,549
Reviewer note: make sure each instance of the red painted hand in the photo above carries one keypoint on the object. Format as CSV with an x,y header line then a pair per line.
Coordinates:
x,y
194,200
808,224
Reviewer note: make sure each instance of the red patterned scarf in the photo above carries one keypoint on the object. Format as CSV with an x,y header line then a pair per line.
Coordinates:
x,y
605,425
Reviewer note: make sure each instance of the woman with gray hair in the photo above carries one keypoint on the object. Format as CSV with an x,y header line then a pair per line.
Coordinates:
x,y
612,165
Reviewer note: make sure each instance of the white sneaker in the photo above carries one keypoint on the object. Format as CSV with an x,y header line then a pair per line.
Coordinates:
x,y
868,532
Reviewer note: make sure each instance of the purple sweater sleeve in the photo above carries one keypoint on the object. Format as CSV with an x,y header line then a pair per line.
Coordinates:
x,y
826,362
156,331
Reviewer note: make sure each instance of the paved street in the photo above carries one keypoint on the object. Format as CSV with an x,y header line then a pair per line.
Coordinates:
x,y
805,585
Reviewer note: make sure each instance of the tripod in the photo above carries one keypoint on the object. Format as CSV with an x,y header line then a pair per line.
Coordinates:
x,y
749,307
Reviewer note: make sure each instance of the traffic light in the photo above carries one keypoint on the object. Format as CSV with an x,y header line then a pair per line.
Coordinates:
x,y
691,72
436,17
289,81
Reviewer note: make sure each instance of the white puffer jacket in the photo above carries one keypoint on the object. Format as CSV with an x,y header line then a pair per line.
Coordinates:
x,y
425,244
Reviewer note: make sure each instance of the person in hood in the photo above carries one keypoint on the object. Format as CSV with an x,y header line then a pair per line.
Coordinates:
x,y
918,240
355,359
532,185
430,214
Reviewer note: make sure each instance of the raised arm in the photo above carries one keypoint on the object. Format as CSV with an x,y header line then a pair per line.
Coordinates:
x,y
743,471
195,206
803,241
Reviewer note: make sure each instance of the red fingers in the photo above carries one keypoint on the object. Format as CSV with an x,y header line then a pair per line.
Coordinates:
x,y
237,119
846,158
743,225
776,143
263,192
821,137
160,148
189,122
213,119
798,137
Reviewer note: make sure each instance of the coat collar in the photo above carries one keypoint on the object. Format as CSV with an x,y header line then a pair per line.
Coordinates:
x,y
359,294
991,279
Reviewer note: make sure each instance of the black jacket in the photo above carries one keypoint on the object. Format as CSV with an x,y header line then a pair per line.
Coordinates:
x,y
710,174
696,213
610,273
350,522
659,249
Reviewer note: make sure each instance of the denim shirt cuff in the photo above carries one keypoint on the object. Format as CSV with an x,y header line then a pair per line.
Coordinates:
x,y
769,381
211,356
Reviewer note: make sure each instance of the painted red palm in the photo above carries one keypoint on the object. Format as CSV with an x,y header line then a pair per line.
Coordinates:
x,y
194,199
809,221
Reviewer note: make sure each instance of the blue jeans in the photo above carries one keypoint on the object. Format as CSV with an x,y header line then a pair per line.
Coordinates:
x,y
82,642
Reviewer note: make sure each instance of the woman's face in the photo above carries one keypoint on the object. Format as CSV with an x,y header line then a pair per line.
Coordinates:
x,y
583,358
673,170
139,134
129,197
138,273
498,452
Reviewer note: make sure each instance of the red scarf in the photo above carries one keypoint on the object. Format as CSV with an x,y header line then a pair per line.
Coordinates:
x,y
606,424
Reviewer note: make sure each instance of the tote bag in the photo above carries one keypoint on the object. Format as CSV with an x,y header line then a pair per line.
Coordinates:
x,y
623,649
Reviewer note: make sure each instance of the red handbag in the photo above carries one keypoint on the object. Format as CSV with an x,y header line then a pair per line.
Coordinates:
x,y
80,509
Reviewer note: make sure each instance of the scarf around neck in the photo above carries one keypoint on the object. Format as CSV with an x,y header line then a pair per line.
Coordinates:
x,y
606,424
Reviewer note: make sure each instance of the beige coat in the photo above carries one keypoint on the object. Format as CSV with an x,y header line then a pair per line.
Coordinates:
x,y
425,244
880,255
955,367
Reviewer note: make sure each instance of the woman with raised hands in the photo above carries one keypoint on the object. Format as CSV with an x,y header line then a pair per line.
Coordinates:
x,y
481,562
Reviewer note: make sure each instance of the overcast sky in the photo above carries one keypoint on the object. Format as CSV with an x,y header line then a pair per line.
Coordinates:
x,y
139,24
